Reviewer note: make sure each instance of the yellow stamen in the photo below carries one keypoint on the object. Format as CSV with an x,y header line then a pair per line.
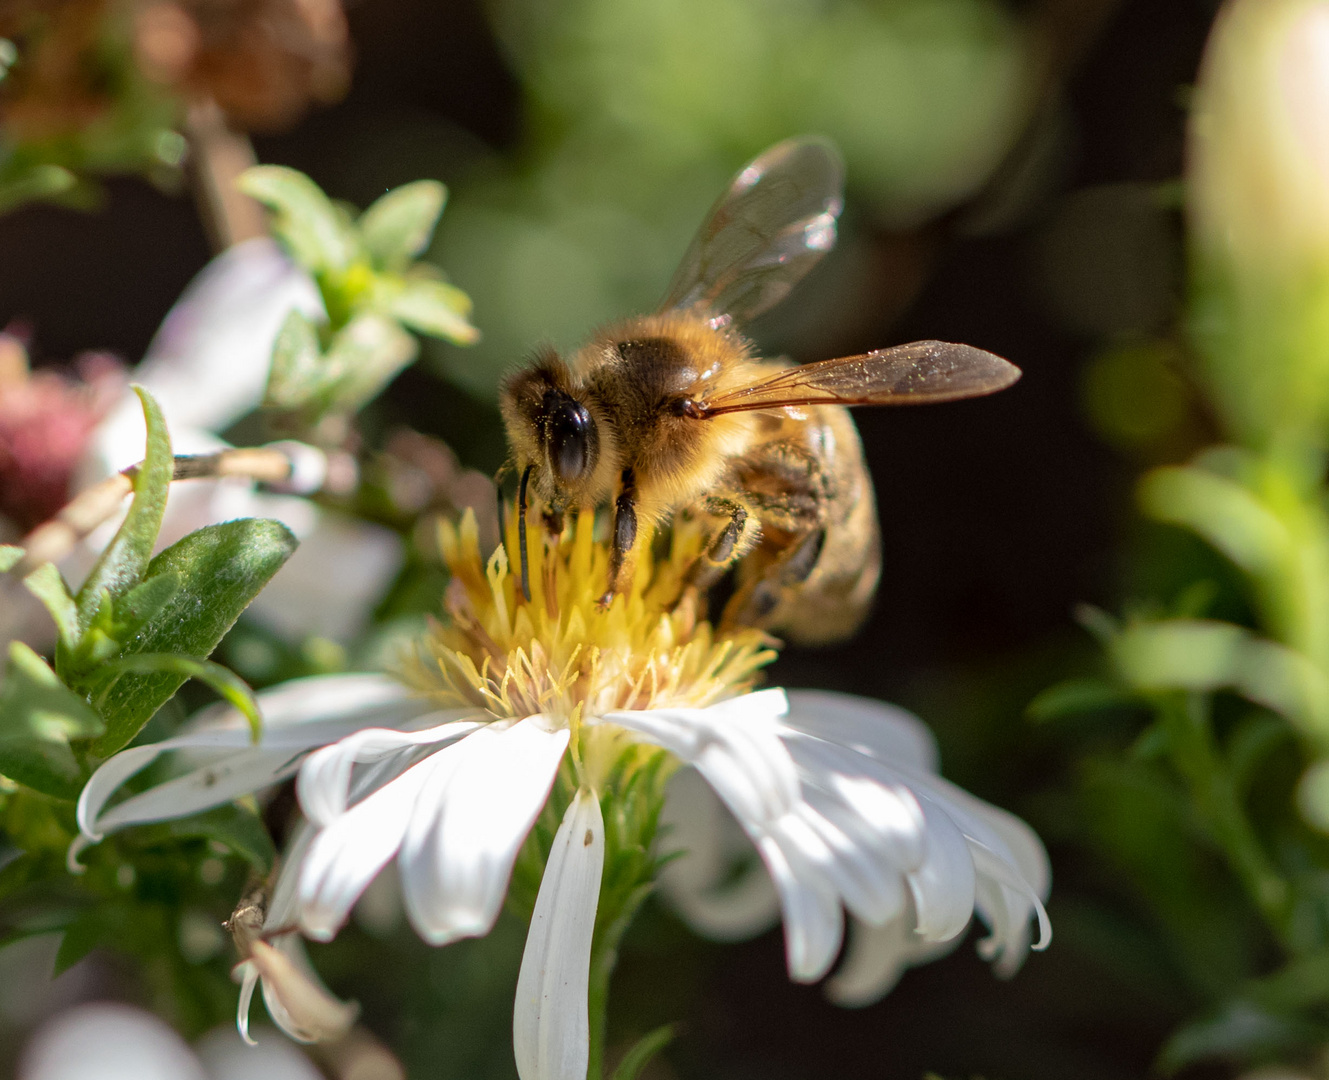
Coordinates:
x,y
560,654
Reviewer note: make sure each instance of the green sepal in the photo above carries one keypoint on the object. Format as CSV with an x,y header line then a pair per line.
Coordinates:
x,y
39,716
398,226
221,569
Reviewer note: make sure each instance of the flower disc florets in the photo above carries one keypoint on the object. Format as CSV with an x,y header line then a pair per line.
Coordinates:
x,y
562,655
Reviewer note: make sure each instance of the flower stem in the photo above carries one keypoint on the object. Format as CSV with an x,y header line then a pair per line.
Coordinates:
x,y
1214,794
604,958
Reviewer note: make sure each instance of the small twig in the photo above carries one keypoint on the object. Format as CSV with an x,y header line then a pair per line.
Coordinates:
x,y
219,156
295,466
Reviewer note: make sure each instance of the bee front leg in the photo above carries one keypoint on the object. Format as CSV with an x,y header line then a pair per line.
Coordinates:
x,y
625,536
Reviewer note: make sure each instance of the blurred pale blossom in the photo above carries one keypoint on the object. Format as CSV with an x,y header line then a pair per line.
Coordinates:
x,y
208,367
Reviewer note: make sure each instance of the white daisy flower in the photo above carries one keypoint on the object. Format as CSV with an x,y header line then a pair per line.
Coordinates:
x,y
512,695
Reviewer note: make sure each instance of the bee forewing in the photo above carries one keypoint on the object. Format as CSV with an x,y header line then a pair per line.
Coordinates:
x,y
772,225
914,374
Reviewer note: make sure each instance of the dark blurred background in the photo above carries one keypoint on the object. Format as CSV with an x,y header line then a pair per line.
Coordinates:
x,y
999,516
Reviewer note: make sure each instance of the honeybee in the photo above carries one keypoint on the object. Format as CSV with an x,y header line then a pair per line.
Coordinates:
x,y
674,412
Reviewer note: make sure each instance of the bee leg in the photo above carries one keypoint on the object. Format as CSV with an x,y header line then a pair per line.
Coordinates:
x,y
725,547
625,534
754,603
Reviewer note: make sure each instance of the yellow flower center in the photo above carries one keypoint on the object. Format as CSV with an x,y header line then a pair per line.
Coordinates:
x,y
560,654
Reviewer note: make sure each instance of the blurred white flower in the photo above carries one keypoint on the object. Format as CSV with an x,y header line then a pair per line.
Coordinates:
x,y
112,1041
208,367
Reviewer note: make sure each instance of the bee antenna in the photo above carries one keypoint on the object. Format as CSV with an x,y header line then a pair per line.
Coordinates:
x,y
521,535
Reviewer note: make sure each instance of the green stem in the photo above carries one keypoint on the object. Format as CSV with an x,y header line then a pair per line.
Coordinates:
x,y
1213,792
604,958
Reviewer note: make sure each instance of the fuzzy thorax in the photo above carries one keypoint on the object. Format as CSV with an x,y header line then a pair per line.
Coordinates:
x,y
560,654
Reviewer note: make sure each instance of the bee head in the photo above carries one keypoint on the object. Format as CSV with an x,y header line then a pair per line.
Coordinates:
x,y
549,424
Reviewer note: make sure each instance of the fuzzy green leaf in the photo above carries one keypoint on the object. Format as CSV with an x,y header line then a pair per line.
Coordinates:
x,y
9,557
38,717
363,358
123,563
398,226
221,569
304,219
223,680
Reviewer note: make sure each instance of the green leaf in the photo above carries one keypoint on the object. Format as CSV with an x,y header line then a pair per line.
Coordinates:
x,y
1076,696
437,309
304,219
398,226
221,569
9,557
223,680
1220,510
239,829
1241,1031
38,717
642,1051
1206,655
42,181
136,608
46,584
91,928
296,372
125,559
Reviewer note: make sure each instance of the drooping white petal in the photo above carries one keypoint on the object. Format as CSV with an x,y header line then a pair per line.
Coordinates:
x,y
734,745
295,996
718,885
876,957
550,1026
297,716
344,857
943,886
324,784
455,864
886,732
248,975
813,920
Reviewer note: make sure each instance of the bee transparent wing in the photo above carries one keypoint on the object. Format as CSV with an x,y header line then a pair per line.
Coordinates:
x,y
770,228
916,374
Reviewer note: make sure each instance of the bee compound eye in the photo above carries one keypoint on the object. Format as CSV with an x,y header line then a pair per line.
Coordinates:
x,y
571,431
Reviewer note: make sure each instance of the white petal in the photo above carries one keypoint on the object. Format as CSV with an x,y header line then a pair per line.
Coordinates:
x,y
295,996
550,1028
813,921
248,980
876,957
734,745
284,906
344,857
455,866
297,715
883,731
943,887
717,884
324,785
106,1040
